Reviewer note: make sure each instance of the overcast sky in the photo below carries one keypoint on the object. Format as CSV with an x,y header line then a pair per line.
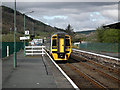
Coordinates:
x,y
81,15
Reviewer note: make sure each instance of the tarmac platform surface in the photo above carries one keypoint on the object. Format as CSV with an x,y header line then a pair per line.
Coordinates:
x,y
32,72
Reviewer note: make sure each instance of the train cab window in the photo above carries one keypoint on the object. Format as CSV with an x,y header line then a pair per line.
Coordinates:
x,y
67,43
55,37
54,43
66,37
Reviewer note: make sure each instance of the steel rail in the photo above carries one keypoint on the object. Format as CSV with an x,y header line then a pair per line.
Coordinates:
x,y
93,81
104,67
106,75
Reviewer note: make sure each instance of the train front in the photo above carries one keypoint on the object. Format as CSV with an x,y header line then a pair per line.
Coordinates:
x,y
61,46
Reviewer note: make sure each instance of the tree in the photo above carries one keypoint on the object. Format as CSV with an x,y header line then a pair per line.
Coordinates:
x,y
100,32
111,36
108,35
69,30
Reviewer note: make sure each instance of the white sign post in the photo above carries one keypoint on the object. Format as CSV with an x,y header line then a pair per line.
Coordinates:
x,y
7,51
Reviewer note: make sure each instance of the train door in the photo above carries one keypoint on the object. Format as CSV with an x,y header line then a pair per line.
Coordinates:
x,y
61,45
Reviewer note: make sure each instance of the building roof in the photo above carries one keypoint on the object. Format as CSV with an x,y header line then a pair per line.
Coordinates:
x,y
114,25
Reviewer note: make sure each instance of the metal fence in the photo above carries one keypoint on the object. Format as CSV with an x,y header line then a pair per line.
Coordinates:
x,y
101,47
35,50
19,46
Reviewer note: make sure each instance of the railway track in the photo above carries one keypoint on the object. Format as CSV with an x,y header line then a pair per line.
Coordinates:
x,y
102,73
99,71
87,81
105,67
87,77
113,70
96,82
86,74
81,79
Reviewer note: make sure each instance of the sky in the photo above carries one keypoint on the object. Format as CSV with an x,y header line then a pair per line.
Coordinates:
x,y
81,16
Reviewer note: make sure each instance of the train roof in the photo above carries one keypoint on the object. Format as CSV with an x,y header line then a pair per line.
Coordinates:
x,y
60,33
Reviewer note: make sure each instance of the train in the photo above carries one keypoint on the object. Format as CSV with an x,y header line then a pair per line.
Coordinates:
x,y
60,46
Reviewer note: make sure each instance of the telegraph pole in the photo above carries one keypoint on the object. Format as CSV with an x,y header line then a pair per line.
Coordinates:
x,y
15,61
25,28
24,35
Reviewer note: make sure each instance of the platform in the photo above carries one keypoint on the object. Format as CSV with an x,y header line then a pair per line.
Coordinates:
x,y
32,72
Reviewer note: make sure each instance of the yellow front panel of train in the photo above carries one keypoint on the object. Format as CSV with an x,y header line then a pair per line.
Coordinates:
x,y
61,45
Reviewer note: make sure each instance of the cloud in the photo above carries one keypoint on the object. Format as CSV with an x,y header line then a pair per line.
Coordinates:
x,y
60,1
81,15
54,17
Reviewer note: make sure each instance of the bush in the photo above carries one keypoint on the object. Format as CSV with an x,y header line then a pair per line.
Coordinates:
x,y
108,35
10,37
111,36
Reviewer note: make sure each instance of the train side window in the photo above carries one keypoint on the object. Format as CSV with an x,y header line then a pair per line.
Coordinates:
x,y
54,42
67,42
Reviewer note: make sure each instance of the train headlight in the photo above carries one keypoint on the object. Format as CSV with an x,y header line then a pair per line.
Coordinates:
x,y
54,47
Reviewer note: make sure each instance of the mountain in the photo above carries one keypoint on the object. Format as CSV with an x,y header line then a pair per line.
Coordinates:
x,y
34,26
85,32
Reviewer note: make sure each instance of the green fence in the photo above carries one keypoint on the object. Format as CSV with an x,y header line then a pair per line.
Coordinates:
x,y
101,47
19,46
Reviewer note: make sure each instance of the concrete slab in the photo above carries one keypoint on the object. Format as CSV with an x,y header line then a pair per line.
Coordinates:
x,y
32,72
60,80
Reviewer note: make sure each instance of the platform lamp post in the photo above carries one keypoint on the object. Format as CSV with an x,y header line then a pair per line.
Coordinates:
x,y
25,28
15,61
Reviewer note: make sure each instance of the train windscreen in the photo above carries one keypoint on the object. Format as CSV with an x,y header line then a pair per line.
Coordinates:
x,y
67,42
54,42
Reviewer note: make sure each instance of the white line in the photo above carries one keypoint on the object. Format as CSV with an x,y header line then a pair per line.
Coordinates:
x,y
72,83
97,54
34,46
33,50
34,53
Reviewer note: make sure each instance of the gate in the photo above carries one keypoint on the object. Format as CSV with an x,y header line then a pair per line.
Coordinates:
x,y
34,50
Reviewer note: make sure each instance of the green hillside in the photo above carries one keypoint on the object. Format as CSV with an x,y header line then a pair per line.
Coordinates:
x,y
85,32
34,26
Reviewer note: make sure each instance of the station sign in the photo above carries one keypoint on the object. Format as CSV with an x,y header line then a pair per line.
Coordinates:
x,y
27,32
25,38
